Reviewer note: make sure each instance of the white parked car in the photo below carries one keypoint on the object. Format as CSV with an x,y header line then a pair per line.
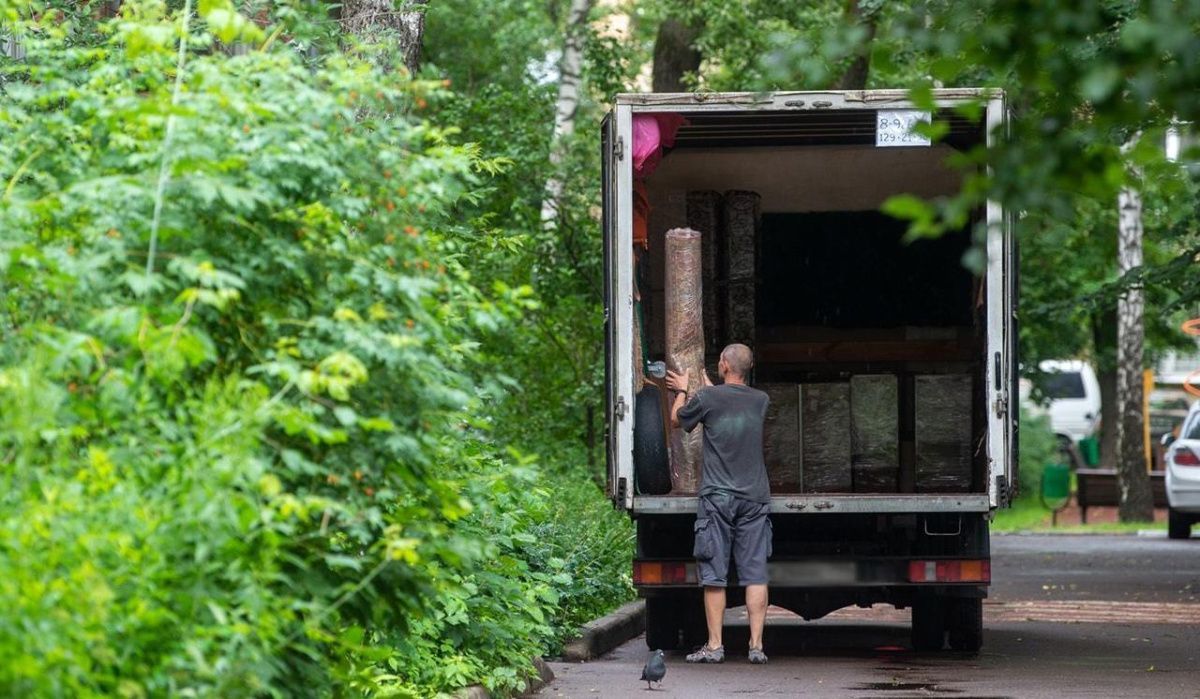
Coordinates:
x,y
1074,395
1182,464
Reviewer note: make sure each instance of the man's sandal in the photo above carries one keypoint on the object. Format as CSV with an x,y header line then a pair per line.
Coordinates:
x,y
704,654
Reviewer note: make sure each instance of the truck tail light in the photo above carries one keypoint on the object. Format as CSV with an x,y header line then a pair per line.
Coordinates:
x,y
659,572
949,571
1185,457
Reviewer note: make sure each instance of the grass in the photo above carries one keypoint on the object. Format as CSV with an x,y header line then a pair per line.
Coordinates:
x,y
1025,514
1028,515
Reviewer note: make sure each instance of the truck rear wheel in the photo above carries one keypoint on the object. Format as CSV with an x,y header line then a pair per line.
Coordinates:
x,y
928,624
965,624
675,621
662,623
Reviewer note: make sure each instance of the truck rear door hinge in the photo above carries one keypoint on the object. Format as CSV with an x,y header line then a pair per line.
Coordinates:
x,y
620,408
619,148
1001,404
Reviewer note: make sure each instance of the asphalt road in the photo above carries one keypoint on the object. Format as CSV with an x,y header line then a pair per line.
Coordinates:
x,y
1068,616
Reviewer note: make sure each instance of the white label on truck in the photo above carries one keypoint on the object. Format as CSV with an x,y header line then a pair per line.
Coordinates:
x,y
894,127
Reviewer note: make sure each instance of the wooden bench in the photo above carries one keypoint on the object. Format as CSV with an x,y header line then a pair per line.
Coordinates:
x,y
1097,487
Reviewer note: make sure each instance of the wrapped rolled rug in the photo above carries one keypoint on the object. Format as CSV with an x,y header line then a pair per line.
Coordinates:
x,y
685,345
639,352
742,214
704,215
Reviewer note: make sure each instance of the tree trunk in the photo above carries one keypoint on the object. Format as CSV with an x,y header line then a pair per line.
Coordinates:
x,y
381,21
570,69
1104,343
1136,503
674,55
855,77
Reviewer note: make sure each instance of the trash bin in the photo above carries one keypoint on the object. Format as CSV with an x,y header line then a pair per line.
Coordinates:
x,y
1056,488
1089,449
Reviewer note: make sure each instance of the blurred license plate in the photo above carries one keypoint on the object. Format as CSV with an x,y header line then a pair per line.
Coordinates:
x,y
814,572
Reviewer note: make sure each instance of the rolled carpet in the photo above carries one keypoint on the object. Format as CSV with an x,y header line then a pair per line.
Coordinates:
x,y
685,344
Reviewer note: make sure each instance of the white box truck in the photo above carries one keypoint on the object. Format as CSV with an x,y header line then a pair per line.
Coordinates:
x,y
891,365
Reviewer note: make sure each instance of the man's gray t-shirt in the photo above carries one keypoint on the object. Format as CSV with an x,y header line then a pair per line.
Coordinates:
x,y
732,415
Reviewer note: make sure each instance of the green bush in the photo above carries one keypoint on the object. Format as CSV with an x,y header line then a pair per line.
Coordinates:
x,y
582,533
243,427
1038,447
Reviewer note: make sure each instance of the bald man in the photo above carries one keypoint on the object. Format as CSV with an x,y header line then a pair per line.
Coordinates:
x,y
734,494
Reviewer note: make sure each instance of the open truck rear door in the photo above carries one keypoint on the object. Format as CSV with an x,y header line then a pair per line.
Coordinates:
x,y
618,303
1002,337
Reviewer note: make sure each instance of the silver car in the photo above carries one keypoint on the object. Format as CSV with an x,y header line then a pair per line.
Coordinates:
x,y
1182,464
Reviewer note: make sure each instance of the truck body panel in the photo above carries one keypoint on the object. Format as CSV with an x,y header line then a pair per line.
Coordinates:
x,y
815,159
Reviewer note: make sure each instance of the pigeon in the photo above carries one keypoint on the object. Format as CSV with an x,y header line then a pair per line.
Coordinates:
x,y
655,669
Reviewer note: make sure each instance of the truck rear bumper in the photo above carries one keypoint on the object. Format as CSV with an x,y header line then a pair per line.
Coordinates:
x,y
849,504
830,573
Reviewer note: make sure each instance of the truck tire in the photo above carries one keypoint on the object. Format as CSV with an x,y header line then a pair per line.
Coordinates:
x,y
662,623
693,626
965,624
928,624
1179,525
651,463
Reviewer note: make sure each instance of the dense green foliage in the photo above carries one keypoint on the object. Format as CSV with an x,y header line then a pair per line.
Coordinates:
x,y
1038,447
253,455
1081,82
503,101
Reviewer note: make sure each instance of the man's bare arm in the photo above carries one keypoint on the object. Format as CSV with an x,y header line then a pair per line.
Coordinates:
x,y
679,384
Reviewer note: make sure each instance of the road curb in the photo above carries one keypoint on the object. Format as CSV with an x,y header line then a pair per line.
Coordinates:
x,y
606,633
596,638
543,677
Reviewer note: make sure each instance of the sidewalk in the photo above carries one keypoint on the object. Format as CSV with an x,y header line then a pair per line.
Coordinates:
x,y
1070,515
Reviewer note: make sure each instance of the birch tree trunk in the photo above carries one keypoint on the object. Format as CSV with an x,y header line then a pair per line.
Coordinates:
x,y
398,22
1133,482
570,68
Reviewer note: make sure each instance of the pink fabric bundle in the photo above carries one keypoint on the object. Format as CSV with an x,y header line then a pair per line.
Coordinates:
x,y
652,133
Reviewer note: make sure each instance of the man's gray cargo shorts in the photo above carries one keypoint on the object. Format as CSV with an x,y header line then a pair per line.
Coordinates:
x,y
726,523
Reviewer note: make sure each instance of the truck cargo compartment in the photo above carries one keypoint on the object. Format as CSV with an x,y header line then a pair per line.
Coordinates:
x,y
871,346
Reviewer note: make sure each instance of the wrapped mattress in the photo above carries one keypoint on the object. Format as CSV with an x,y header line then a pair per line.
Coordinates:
x,y
875,433
943,433
825,430
781,437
